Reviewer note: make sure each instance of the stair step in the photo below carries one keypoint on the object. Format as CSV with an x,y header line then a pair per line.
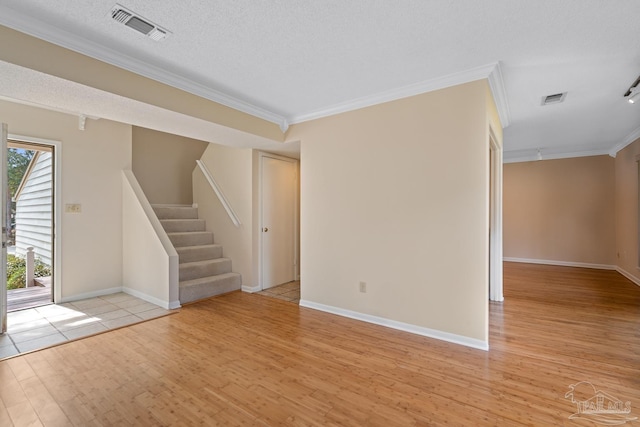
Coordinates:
x,y
175,212
191,238
193,290
199,253
211,267
182,225
203,272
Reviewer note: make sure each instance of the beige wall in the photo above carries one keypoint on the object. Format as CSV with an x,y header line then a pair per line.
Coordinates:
x,y
237,172
396,195
626,202
163,164
150,266
560,210
232,169
92,161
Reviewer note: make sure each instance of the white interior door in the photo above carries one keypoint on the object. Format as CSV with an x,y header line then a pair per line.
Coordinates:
x,y
279,213
4,205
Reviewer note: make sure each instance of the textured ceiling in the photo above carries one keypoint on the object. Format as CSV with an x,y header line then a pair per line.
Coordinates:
x,y
296,59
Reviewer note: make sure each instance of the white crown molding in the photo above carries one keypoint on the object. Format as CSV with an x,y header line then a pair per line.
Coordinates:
x,y
462,77
406,327
44,31
561,263
554,156
284,125
496,83
17,21
493,72
635,134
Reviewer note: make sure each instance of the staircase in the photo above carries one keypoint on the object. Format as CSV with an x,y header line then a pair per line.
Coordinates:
x,y
203,271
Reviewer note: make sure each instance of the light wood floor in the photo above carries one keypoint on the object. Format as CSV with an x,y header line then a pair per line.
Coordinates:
x,y
243,359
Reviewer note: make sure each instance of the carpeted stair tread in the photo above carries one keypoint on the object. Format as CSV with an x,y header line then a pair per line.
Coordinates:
x,y
203,272
205,287
199,252
182,225
175,212
212,267
191,238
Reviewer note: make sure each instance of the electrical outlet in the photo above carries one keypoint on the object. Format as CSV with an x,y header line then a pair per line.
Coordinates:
x,y
363,287
73,208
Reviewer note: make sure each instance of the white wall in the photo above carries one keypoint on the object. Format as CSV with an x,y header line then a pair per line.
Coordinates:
x,y
396,195
92,161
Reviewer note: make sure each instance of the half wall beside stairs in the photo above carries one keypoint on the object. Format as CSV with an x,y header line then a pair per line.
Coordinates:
x,y
150,262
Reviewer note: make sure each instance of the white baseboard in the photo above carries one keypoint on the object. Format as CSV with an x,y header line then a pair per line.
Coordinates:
x,y
418,330
251,289
628,275
560,263
620,270
86,295
167,305
173,305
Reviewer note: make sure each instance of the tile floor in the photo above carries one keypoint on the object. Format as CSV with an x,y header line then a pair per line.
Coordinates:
x,y
41,327
288,292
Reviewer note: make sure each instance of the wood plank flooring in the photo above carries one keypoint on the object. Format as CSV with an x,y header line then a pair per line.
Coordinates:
x,y
242,359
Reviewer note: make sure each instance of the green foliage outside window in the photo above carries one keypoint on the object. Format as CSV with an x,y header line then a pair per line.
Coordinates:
x,y
17,164
17,271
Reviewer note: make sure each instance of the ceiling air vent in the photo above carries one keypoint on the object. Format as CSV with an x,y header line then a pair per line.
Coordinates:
x,y
138,23
556,98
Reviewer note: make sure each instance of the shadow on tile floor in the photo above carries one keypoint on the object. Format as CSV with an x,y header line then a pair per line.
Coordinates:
x,y
45,326
287,292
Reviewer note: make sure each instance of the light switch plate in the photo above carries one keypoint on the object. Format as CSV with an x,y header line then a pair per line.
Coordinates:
x,y
73,208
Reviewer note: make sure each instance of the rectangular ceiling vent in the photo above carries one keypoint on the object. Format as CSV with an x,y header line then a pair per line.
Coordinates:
x,y
132,20
556,98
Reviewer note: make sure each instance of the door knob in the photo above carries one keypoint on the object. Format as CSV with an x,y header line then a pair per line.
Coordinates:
x,y
265,229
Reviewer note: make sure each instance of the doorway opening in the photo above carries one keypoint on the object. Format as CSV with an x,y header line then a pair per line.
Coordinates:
x,y
279,241
30,209
495,219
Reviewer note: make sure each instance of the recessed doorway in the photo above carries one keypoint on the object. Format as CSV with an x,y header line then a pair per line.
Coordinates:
x,y
30,213
278,220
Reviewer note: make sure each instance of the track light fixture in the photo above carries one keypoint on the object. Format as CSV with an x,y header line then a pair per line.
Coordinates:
x,y
634,96
633,93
